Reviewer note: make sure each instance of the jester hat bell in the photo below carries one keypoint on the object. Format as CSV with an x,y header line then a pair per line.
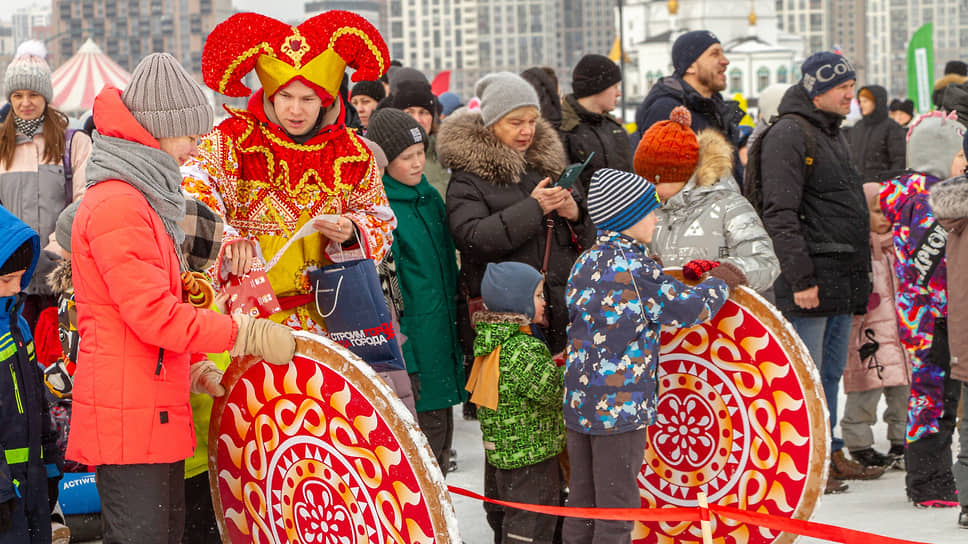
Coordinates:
x,y
316,52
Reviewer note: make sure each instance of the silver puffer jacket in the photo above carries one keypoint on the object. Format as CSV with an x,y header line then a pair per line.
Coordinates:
x,y
710,219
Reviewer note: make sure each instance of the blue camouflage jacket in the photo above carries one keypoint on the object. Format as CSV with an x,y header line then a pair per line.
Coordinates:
x,y
618,299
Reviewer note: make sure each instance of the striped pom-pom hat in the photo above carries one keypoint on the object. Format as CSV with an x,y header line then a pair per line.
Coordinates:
x,y
618,200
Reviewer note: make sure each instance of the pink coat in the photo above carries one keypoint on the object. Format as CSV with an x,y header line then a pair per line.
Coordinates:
x,y
132,383
892,366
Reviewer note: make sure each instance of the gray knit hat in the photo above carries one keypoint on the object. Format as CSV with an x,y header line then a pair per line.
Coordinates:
x,y
509,287
502,93
394,131
28,72
932,143
65,224
165,99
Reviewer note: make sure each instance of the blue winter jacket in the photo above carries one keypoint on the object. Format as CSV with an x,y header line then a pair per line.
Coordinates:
x,y
25,430
618,300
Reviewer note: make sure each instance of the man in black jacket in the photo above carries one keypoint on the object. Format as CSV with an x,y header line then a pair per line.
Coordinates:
x,y
586,126
816,214
700,75
877,142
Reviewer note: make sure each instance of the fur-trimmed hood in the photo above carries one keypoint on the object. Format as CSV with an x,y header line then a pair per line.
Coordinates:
x,y
501,317
948,80
464,143
949,199
60,280
715,158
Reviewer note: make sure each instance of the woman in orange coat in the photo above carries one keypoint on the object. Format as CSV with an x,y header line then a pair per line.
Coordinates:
x,y
132,419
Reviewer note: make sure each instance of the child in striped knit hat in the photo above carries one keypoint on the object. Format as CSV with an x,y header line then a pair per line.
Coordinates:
x,y
618,299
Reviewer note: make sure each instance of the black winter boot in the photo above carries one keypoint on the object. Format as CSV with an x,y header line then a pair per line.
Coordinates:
x,y
869,457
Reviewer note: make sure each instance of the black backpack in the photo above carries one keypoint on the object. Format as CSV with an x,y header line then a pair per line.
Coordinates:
x,y
752,180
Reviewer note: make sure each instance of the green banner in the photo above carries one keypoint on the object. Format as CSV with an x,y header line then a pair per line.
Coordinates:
x,y
920,62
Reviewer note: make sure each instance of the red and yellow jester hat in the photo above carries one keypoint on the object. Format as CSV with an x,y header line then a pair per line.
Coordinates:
x,y
316,52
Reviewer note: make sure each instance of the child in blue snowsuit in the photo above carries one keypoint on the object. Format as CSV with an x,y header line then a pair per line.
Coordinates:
x,y
29,466
618,300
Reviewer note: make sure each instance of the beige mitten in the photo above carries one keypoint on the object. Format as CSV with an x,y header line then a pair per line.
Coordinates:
x,y
263,338
206,378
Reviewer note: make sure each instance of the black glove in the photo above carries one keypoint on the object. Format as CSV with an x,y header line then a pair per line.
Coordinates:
x,y
6,509
53,490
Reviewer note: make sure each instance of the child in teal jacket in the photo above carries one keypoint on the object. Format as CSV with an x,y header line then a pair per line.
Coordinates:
x,y
425,262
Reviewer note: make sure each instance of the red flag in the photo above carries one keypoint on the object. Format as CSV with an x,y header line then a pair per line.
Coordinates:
x,y
441,83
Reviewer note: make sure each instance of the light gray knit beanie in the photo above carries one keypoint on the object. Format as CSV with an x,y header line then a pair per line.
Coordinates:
x,y
502,93
29,71
165,99
932,143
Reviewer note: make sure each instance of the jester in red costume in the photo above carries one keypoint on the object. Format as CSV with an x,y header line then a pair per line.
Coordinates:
x,y
287,158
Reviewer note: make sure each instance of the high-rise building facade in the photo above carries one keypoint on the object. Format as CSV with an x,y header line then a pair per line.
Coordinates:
x,y
368,9
127,30
32,22
847,24
805,18
433,36
897,20
874,34
474,37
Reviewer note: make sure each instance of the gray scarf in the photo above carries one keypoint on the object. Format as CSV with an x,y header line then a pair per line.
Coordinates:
x,y
151,171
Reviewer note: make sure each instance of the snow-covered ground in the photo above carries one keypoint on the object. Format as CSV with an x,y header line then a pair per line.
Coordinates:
x,y
879,506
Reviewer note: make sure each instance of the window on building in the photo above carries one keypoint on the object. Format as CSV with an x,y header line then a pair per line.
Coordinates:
x,y
816,22
762,78
781,74
816,43
735,81
649,79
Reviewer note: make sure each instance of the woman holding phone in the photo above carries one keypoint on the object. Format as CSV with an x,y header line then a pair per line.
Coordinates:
x,y
502,204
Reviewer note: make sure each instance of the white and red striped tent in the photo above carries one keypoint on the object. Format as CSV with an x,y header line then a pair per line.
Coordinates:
x,y
77,81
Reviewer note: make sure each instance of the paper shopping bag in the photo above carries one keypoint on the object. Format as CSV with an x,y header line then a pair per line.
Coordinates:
x,y
349,297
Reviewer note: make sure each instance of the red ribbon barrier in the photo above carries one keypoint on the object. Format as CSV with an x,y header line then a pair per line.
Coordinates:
x,y
796,526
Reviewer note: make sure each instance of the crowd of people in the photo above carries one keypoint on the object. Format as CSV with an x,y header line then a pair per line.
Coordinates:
x,y
537,305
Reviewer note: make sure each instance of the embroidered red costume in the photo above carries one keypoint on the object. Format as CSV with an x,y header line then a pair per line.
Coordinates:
x,y
267,186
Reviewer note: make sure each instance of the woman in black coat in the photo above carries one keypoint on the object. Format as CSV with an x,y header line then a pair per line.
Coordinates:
x,y
503,159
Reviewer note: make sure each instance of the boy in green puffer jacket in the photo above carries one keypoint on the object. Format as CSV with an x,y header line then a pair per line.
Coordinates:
x,y
518,389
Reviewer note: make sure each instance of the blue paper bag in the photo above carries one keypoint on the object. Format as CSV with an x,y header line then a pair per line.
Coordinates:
x,y
349,297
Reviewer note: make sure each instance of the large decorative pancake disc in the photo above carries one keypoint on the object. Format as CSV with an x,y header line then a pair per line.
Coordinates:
x,y
741,418
321,451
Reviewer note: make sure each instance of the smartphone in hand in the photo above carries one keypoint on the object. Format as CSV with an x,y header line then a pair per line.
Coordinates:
x,y
570,174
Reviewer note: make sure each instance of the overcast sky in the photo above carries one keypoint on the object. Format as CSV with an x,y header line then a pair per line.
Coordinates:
x,y
280,9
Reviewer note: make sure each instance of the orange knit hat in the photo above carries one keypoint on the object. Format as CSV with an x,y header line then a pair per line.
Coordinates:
x,y
668,152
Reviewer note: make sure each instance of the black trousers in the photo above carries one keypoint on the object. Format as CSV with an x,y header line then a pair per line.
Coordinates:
x,y
604,472
438,427
928,460
142,503
200,524
540,483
